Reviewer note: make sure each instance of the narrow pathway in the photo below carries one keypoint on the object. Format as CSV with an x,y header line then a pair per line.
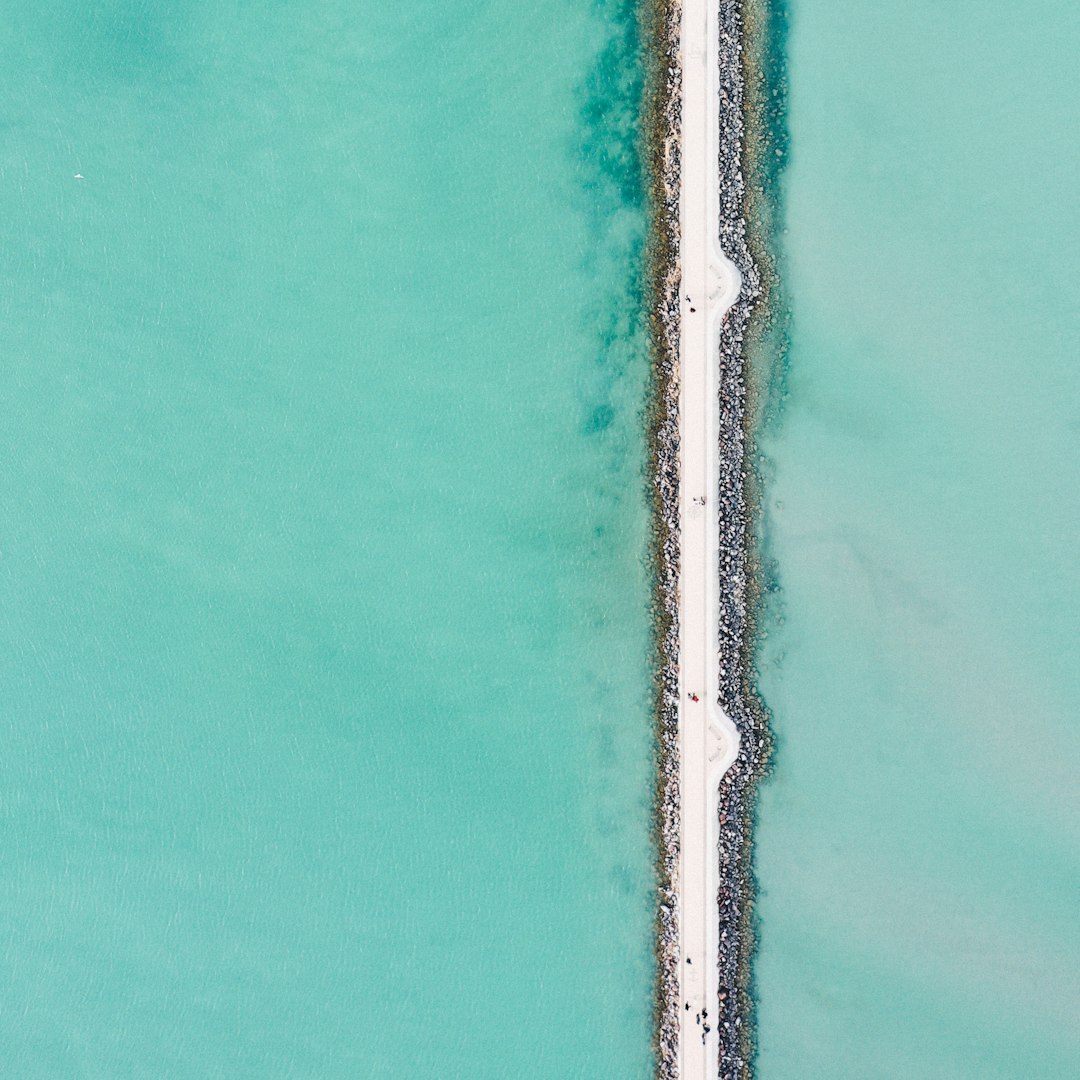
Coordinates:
x,y
708,741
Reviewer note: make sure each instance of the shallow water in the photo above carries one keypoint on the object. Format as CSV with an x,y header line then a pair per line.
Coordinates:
x,y
325,608
918,847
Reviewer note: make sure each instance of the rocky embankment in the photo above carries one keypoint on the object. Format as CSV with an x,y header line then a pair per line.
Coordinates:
x,y
734,1013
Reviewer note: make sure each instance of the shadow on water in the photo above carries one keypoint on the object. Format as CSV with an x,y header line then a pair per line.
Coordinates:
x,y
610,112
112,42
767,152
613,201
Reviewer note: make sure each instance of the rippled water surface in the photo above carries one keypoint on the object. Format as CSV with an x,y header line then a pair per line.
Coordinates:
x,y
324,621
919,843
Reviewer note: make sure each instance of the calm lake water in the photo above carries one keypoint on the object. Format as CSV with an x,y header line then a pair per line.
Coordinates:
x,y
919,843
324,622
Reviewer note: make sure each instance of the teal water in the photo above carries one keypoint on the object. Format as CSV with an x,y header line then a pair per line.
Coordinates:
x,y
919,843
325,685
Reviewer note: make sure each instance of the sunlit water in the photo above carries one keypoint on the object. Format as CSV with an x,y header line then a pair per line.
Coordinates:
x,y
324,619
918,847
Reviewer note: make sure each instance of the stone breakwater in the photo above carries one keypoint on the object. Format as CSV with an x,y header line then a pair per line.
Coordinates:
x,y
737,578
661,34
739,168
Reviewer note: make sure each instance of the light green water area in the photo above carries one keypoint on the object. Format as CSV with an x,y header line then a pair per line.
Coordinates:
x,y
323,594
919,843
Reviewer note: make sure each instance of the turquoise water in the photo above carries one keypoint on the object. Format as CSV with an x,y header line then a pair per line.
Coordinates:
x,y
919,843
326,723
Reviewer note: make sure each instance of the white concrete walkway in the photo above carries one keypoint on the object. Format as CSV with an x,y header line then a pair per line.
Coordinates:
x,y
708,740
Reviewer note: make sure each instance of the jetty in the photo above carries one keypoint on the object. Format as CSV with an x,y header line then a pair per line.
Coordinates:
x,y
708,739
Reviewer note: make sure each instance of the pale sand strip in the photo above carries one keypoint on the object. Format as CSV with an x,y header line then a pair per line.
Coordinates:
x,y
708,740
